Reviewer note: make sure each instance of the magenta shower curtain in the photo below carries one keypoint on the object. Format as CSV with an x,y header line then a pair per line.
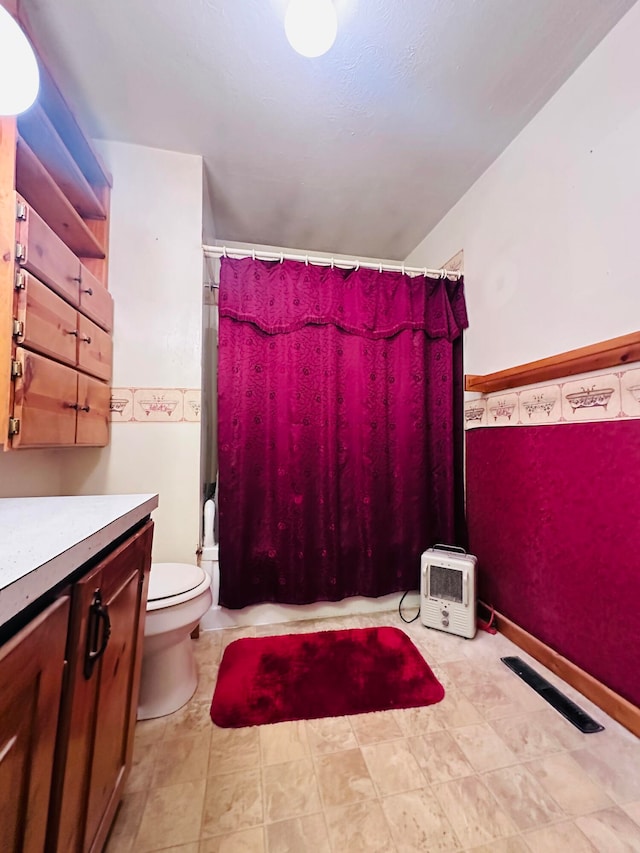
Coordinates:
x,y
339,396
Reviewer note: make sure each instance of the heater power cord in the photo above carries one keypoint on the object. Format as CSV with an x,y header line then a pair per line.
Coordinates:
x,y
408,621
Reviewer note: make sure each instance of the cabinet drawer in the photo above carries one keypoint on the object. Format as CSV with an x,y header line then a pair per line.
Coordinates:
x,y
95,300
93,412
48,322
44,402
44,254
95,349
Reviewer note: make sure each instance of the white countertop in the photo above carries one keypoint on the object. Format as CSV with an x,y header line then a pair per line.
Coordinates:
x,y
44,540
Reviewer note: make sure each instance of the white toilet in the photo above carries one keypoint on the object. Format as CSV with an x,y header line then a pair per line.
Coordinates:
x,y
179,595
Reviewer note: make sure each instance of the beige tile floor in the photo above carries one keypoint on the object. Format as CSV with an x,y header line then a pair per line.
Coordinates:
x,y
490,768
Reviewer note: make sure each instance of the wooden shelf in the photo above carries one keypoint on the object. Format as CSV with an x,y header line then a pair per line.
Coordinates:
x,y
609,353
40,190
66,124
35,127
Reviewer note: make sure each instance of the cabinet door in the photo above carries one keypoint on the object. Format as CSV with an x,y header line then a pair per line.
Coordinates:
x,y
125,583
45,402
94,398
95,350
99,708
75,733
48,322
31,669
95,300
44,254
112,713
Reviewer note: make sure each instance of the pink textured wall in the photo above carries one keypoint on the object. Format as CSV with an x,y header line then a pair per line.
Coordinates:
x,y
554,519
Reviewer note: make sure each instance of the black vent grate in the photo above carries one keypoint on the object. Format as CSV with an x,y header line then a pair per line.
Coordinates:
x,y
565,706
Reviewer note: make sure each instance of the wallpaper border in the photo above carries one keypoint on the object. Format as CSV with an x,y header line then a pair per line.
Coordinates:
x,y
155,405
585,398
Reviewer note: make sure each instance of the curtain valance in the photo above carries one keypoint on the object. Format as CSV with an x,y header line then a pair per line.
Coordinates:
x,y
283,297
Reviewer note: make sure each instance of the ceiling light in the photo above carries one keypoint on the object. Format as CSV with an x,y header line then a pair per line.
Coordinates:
x,y
311,26
19,76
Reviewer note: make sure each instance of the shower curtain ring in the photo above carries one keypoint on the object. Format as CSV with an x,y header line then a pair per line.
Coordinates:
x,y
281,257
403,272
306,260
224,251
331,263
253,254
425,272
380,268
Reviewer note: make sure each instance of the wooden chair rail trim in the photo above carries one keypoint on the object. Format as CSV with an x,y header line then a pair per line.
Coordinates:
x,y
611,353
616,706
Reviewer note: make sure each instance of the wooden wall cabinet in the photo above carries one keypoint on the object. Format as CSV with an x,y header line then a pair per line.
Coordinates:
x,y
56,314
56,405
65,748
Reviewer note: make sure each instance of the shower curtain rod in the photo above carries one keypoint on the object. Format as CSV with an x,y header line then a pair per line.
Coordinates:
x,y
341,263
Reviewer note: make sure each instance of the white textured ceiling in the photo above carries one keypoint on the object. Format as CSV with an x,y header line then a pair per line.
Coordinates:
x,y
361,151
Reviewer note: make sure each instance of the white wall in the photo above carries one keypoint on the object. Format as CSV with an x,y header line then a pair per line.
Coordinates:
x,y
30,473
155,276
550,231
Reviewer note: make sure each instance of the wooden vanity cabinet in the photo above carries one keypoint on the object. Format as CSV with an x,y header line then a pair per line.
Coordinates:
x,y
66,742
31,674
99,706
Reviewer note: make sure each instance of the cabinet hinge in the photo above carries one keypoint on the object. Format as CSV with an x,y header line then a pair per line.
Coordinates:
x,y
14,426
21,280
16,369
18,328
20,251
21,210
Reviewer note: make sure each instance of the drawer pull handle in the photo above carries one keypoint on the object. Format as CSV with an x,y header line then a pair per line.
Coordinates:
x,y
86,338
77,278
98,616
72,332
88,291
6,749
85,408
71,406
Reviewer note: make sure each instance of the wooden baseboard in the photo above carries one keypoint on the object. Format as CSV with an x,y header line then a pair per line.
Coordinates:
x,y
625,712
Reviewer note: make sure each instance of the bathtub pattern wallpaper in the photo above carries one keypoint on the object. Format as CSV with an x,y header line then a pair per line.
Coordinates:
x,y
596,396
155,405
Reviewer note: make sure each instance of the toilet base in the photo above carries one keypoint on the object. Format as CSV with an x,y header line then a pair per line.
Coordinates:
x,y
169,679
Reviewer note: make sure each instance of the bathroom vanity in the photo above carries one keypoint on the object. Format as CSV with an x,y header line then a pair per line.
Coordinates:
x,y
74,573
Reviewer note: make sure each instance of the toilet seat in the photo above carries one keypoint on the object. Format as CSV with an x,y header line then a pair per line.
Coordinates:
x,y
175,583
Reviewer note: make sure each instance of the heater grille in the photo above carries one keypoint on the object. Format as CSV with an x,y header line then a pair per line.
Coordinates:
x,y
445,583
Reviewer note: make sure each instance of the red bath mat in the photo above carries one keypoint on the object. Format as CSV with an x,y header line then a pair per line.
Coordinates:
x,y
327,674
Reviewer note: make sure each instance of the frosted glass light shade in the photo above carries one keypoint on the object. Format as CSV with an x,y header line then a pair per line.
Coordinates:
x,y
19,76
311,26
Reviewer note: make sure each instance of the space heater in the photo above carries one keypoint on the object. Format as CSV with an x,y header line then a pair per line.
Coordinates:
x,y
448,590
